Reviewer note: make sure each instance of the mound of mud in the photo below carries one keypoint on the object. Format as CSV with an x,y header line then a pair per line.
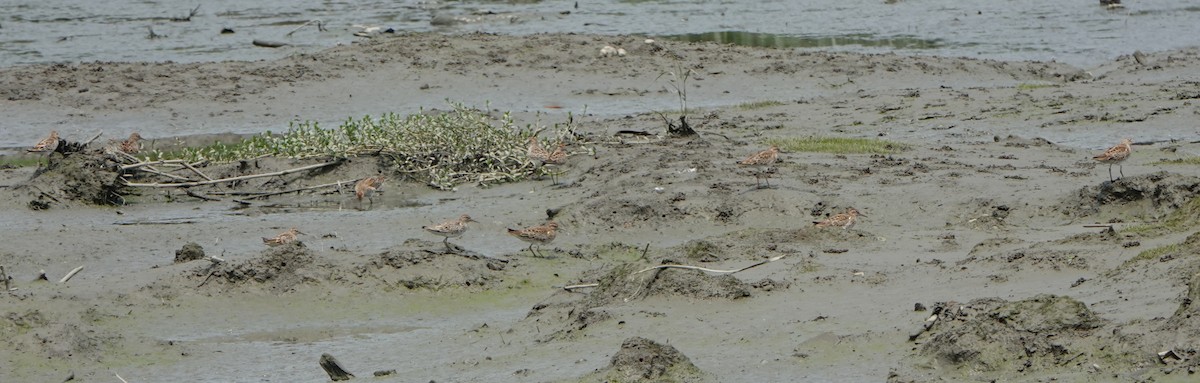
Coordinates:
x,y
632,281
1147,196
35,333
1045,334
644,360
1186,319
190,251
278,269
1042,255
86,176
424,264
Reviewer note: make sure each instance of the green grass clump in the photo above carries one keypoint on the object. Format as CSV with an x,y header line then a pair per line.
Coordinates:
x,y
1029,86
758,104
20,161
1183,218
443,148
838,145
1181,161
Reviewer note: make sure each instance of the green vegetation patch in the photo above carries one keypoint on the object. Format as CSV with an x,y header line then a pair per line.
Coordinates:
x,y
1187,248
1183,218
1030,86
758,104
9,162
1180,161
838,145
444,149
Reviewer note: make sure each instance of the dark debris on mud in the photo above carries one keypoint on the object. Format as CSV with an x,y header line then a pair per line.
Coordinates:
x,y
415,264
87,176
1045,334
631,281
1162,192
644,360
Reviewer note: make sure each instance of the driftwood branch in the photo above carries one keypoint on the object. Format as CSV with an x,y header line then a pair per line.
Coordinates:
x,y
148,164
166,221
581,286
231,179
320,26
7,279
119,377
705,269
193,194
85,143
197,171
255,195
334,369
67,277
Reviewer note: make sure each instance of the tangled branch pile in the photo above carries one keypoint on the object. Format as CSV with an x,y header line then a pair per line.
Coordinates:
x,y
443,149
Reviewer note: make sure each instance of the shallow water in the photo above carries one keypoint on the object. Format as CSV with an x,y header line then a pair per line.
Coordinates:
x,y
1080,32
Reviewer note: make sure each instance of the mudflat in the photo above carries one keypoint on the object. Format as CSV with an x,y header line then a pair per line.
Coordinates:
x,y
991,245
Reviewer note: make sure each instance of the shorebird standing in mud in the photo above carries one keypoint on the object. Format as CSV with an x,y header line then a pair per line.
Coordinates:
x,y
48,144
450,229
132,145
536,235
537,153
283,238
1116,155
762,161
367,187
844,220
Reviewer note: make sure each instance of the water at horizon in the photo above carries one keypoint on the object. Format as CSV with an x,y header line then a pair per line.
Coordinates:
x,y
1078,32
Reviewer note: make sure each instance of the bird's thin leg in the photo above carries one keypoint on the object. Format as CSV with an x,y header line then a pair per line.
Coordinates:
x,y
1110,172
1122,169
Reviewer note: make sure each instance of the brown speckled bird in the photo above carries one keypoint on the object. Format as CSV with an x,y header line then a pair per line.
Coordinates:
x,y
1116,155
283,238
48,144
844,220
536,235
132,145
762,161
367,187
450,229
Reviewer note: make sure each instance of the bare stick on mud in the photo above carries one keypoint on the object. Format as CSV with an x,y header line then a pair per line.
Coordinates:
x,y
231,179
193,194
320,26
254,195
7,279
67,277
85,143
708,269
334,369
581,286
186,19
119,377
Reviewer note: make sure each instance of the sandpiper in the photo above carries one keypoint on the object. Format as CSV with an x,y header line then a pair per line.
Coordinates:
x,y
450,229
536,151
283,238
536,235
48,144
844,220
539,154
131,144
366,187
762,160
1116,155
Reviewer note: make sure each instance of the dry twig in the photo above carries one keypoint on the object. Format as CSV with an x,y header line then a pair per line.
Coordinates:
x,y
231,179
67,277
705,269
